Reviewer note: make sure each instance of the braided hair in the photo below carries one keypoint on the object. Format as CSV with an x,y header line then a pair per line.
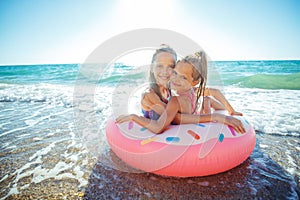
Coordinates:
x,y
199,63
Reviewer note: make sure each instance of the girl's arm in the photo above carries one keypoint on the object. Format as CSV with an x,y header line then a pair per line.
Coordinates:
x,y
221,98
156,126
236,124
151,101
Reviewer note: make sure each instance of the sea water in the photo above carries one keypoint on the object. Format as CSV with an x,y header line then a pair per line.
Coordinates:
x,y
52,130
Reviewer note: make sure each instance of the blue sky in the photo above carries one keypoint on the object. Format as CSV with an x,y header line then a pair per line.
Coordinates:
x,y
67,31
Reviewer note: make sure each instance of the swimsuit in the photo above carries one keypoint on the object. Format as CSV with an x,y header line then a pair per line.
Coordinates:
x,y
151,114
191,95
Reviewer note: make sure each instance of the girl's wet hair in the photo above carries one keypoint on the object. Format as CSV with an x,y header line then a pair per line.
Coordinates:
x,y
199,63
153,83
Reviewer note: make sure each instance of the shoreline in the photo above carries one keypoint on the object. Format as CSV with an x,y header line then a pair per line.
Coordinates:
x,y
252,179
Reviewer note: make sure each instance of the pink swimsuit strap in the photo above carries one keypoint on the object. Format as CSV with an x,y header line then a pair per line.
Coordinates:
x,y
191,95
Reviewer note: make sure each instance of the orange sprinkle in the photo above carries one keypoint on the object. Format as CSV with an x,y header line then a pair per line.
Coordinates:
x,y
193,134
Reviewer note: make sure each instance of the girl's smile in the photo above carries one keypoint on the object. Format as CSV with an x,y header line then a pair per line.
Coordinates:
x,y
163,68
182,79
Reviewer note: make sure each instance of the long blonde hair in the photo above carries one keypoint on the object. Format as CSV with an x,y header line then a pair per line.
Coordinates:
x,y
199,63
152,79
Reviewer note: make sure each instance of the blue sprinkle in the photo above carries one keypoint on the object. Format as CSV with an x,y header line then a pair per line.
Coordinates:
x,y
202,125
221,137
246,121
172,139
143,129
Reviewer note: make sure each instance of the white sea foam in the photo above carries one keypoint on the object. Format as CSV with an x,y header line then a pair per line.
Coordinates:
x,y
13,130
60,171
42,92
263,146
270,111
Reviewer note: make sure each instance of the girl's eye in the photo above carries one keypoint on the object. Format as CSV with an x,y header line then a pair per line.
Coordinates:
x,y
183,78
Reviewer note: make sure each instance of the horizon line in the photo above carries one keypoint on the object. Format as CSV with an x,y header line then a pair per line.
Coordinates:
x,y
77,63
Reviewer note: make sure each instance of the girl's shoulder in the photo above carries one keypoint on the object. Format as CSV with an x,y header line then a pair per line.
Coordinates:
x,y
195,89
149,90
178,98
181,103
149,93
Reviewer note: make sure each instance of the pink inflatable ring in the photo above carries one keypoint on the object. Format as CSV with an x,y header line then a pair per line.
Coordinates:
x,y
182,150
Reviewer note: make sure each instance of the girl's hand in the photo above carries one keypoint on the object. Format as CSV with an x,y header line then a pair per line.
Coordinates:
x,y
236,124
235,113
124,118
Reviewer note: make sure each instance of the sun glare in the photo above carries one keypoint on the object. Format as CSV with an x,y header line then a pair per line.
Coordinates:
x,y
135,14
141,13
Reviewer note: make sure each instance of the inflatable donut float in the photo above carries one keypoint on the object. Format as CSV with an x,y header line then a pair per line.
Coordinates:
x,y
182,150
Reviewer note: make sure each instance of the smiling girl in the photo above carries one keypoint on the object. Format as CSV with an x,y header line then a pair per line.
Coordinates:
x,y
154,100
187,74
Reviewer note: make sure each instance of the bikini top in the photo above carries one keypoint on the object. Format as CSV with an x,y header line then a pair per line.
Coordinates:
x,y
151,114
191,95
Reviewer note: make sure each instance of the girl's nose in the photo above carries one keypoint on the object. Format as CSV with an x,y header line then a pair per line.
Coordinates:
x,y
165,70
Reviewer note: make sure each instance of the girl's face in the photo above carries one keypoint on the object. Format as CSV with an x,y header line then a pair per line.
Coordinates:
x,y
163,68
182,78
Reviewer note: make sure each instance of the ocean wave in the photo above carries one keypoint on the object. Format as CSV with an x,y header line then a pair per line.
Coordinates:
x,y
37,93
124,78
28,74
268,81
292,134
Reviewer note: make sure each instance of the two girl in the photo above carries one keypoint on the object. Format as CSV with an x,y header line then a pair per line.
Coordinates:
x,y
189,72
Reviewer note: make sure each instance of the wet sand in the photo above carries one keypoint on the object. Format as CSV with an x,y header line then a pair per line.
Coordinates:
x,y
247,181
253,179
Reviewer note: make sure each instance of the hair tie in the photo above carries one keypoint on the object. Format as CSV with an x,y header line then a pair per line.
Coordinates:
x,y
164,46
198,55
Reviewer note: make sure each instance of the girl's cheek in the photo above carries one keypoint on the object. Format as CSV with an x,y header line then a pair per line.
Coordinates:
x,y
170,70
172,76
157,67
156,71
